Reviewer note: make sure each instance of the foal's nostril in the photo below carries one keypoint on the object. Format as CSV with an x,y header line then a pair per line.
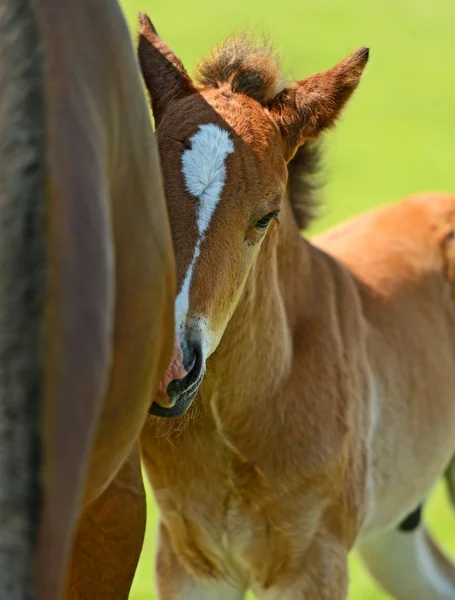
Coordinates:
x,y
193,363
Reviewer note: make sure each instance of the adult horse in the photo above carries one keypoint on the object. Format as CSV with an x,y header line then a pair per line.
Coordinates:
x,y
87,289
319,398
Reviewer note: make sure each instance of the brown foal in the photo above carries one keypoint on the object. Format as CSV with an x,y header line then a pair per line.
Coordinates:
x,y
318,407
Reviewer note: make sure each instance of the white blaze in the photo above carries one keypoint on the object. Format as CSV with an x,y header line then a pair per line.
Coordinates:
x,y
204,171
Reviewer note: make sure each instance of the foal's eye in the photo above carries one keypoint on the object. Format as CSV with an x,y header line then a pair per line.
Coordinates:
x,y
264,222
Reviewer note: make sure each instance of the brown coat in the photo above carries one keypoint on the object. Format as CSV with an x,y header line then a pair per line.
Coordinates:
x,y
111,280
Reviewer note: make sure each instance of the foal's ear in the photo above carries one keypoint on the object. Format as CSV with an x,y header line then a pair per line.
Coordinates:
x,y
303,110
164,73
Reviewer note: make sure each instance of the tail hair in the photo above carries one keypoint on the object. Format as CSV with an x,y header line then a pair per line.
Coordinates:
x,y
22,290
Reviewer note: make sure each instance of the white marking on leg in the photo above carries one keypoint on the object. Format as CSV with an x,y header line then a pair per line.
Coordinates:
x,y
204,171
404,565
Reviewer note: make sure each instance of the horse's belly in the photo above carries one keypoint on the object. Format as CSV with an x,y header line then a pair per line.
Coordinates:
x,y
409,453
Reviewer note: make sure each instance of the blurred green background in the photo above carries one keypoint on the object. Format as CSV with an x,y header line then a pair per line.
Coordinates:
x,y
396,137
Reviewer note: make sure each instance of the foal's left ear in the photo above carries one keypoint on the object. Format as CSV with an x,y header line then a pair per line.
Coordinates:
x,y
303,110
164,73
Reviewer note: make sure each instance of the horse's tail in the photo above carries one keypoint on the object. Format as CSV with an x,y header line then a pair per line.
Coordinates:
x,y
22,289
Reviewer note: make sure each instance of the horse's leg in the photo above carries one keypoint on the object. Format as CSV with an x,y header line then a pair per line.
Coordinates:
x,y
175,583
324,576
408,564
109,538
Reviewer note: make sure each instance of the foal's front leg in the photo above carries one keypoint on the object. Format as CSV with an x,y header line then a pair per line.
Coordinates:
x,y
175,583
324,576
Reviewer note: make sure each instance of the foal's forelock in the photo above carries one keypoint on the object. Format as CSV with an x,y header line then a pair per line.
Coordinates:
x,y
204,172
246,66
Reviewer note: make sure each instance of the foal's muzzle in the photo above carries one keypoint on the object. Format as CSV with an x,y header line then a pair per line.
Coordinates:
x,y
181,392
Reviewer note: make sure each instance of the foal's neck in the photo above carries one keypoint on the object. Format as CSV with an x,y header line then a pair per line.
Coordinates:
x,y
254,358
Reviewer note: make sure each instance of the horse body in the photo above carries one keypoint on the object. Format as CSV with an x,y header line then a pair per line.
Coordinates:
x,y
267,472
308,428
113,270
110,284
402,258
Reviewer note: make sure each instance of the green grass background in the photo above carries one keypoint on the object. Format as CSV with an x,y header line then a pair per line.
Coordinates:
x,y
396,137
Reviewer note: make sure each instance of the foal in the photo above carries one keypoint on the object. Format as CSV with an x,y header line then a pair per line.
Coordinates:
x,y
319,397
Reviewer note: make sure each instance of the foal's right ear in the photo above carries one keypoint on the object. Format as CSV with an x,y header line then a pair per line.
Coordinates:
x,y
164,73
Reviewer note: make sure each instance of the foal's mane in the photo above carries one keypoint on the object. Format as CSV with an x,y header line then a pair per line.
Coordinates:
x,y
251,67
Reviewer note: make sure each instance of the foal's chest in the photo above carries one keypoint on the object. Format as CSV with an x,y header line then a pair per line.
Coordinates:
x,y
240,537
213,534
230,520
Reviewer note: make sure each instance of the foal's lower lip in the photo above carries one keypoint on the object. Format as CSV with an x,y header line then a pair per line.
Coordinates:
x,y
166,405
178,409
181,403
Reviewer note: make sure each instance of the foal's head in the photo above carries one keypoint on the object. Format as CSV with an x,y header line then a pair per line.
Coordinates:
x,y
224,147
